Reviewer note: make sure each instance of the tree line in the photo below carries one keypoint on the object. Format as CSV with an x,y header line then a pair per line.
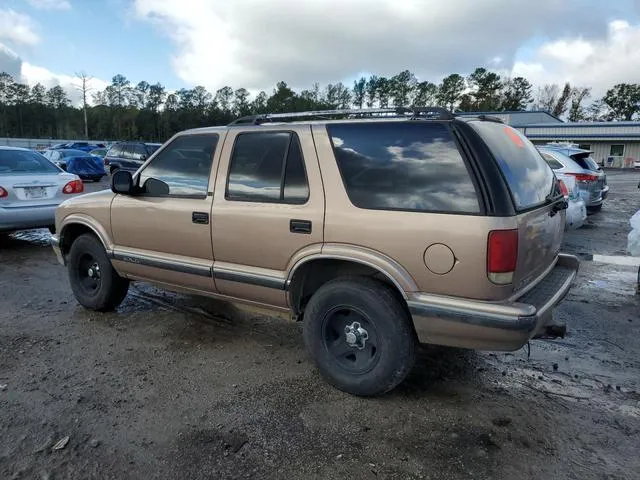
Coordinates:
x,y
124,110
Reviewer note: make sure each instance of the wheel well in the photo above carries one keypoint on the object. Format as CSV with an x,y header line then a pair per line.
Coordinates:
x,y
309,277
69,235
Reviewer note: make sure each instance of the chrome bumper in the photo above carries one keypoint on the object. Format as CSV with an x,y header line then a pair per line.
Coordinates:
x,y
485,325
55,244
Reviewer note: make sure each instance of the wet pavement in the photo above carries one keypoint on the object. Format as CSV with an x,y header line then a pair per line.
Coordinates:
x,y
172,386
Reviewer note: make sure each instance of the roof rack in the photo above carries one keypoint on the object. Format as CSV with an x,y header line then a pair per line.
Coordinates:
x,y
431,113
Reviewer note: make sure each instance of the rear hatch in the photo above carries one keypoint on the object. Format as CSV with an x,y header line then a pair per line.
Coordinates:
x,y
585,161
536,198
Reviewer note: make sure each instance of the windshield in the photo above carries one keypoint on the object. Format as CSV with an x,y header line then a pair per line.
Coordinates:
x,y
73,153
528,176
23,161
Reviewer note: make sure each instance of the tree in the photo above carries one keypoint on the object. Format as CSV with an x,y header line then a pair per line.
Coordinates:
x,y
223,98
142,94
425,95
337,96
547,97
259,104
450,90
516,94
563,100
372,90
577,112
383,91
19,95
38,93
486,90
282,100
85,88
402,88
118,93
241,105
359,91
623,101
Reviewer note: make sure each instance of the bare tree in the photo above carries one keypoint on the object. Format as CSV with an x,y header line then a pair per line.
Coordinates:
x,y
84,88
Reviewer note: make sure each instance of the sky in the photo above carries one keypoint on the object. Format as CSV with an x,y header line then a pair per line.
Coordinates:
x,y
256,43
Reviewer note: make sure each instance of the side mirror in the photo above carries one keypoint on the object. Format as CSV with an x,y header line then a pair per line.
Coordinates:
x,y
122,182
157,188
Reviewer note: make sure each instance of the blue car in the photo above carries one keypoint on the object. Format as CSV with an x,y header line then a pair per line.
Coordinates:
x,y
86,166
84,146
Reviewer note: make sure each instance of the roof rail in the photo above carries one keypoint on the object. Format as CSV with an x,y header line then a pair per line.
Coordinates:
x,y
437,113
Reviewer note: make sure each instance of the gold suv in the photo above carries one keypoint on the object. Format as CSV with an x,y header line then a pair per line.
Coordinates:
x,y
377,228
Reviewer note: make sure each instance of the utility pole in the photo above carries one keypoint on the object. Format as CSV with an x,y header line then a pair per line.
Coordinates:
x,y
84,88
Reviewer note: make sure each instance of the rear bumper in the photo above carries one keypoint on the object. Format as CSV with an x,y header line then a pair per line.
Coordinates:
x,y
485,325
17,218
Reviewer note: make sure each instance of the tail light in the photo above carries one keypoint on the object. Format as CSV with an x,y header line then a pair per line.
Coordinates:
x,y
74,186
584,177
3,193
563,189
502,255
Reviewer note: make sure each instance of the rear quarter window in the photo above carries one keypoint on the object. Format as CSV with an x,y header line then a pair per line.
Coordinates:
x,y
412,166
528,176
115,151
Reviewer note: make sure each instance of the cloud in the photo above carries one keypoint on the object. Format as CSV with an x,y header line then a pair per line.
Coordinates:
x,y
50,4
33,74
255,43
17,28
599,63
10,61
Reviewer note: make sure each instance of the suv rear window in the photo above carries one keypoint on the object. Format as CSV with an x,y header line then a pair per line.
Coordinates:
x,y
403,166
529,177
585,161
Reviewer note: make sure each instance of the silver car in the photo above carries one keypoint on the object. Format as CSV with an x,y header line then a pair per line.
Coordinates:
x,y
31,187
590,178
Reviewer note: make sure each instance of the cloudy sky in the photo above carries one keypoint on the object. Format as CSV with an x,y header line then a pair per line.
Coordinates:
x,y
256,43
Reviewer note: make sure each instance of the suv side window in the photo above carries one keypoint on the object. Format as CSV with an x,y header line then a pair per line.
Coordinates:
x,y
411,166
137,152
267,167
552,162
127,152
184,165
115,151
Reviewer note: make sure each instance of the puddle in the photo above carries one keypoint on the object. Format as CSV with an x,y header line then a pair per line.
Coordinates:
x,y
622,283
34,237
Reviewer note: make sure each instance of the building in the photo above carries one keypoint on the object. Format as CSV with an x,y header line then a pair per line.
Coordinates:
x,y
614,144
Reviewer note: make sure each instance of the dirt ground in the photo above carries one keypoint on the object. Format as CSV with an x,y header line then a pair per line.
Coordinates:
x,y
171,386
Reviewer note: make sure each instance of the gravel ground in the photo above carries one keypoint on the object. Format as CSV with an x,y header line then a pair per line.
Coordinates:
x,y
172,386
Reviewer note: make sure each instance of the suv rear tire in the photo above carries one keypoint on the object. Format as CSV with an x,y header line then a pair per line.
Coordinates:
x,y
95,283
359,335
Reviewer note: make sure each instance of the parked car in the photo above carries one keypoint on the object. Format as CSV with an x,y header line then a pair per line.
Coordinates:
x,y
83,164
378,231
84,146
128,155
31,188
591,178
577,209
99,152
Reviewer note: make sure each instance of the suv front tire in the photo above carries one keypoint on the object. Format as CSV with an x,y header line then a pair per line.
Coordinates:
x,y
359,335
95,283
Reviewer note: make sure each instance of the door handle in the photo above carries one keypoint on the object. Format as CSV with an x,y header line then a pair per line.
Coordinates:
x,y
300,226
200,218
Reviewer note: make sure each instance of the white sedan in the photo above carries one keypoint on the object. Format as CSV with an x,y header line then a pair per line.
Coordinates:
x,y
31,187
